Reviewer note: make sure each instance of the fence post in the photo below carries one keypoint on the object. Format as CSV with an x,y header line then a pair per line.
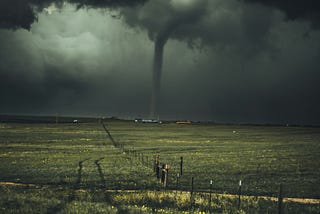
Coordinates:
x,y
210,195
181,165
165,174
192,182
280,199
178,175
131,163
147,161
142,159
239,199
157,166
191,194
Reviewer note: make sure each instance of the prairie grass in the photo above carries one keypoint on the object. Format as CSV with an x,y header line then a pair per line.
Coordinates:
x,y
74,168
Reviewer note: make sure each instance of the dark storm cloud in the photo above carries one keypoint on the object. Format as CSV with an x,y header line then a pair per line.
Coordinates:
x,y
16,14
106,3
22,13
295,9
281,89
28,82
239,38
66,64
174,16
223,60
224,24
220,24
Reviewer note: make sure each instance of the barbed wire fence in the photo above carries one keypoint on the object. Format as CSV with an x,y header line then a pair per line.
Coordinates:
x,y
172,176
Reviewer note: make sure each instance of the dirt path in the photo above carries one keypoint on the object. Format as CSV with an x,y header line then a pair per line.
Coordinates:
x,y
296,200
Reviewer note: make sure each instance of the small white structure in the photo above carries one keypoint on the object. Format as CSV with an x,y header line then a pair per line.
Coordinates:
x,y
147,121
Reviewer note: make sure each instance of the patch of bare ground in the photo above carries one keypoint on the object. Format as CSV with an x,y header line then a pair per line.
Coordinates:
x,y
296,200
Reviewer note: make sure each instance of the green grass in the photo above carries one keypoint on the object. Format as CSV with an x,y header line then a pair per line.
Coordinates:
x,y
71,164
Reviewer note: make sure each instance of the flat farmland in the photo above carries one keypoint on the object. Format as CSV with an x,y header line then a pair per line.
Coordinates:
x,y
68,167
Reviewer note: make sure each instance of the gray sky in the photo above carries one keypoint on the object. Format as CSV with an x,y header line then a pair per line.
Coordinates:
x,y
225,60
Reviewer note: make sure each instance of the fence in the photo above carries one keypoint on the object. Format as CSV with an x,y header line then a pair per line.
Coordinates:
x,y
173,177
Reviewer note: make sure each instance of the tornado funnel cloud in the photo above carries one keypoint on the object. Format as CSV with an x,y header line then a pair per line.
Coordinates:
x,y
182,13
157,71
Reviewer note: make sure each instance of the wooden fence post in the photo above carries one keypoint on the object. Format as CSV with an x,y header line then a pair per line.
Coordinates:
x,y
191,194
147,161
142,159
181,165
192,186
178,175
280,200
210,195
157,166
239,193
165,174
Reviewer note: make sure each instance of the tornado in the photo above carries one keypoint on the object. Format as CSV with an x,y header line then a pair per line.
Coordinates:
x,y
159,44
184,12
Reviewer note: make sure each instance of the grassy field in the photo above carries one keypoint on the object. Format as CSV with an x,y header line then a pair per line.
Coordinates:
x,y
74,168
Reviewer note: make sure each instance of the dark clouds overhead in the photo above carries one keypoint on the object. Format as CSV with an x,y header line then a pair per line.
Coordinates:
x,y
219,24
22,13
106,3
224,60
295,9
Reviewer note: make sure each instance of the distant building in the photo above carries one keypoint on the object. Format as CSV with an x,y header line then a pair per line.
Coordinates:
x,y
187,122
147,121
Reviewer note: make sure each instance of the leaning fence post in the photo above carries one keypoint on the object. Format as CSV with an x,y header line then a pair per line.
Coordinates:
x,y
280,199
239,193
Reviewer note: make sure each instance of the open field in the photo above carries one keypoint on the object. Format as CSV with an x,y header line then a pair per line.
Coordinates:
x,y
74,168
